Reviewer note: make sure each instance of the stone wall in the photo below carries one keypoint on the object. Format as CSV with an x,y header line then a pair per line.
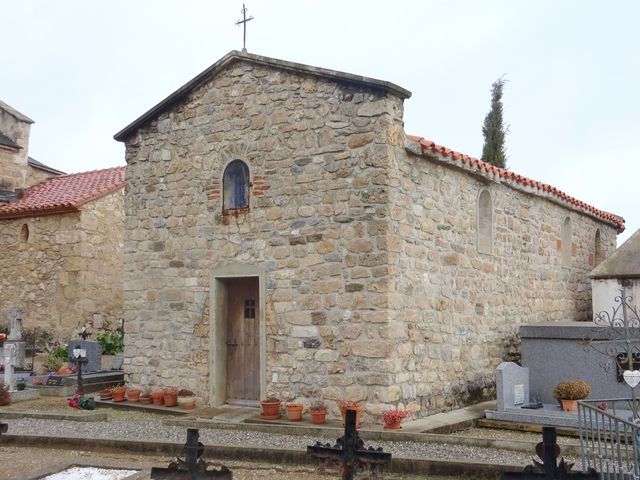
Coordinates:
x,y
318,153
366,251
14,170
61,269
455,309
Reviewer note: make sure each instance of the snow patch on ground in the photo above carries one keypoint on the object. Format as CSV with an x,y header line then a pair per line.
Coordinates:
x,y
90,473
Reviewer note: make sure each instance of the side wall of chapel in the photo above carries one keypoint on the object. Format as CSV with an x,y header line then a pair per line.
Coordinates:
x,y
459,297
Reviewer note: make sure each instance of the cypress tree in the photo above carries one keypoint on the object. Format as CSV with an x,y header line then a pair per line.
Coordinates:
x,y
493,130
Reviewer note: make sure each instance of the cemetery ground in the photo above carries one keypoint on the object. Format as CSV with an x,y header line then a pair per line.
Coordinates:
x,y
45,434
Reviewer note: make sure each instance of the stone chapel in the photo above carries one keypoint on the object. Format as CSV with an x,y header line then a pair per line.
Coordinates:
x,y
284,236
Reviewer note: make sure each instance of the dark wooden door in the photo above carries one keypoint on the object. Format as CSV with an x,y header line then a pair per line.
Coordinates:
x,y
243,340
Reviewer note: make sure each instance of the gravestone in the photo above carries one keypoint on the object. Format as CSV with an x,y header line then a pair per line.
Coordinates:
x,y
512,385
15,317
9,358
93,354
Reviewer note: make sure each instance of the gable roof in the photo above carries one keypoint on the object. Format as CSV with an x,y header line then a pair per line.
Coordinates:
x,y
623,263
20,116
235,56
473,165
41,166
5,141
64,194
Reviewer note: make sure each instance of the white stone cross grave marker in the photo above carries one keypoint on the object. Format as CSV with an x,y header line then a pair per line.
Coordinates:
x,y
9,354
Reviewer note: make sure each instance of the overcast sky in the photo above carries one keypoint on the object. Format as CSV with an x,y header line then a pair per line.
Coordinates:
x,y
83,70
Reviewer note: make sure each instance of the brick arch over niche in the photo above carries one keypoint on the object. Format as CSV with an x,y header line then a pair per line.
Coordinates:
x,y
236,185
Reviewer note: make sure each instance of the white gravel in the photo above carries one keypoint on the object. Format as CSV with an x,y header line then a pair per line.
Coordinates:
x,y
90,473
149,427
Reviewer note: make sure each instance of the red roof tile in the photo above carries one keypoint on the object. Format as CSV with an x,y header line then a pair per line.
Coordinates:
x,y
65,193
474,164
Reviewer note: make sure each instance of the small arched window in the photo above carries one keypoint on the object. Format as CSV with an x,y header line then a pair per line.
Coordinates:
x,y
566,242
235,187
485,222
599,251
24,233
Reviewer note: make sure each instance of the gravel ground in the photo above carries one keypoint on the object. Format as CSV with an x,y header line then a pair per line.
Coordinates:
x,y
126,424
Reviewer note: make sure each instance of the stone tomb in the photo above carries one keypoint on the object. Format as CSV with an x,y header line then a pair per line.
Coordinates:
x,y
514,404
92,351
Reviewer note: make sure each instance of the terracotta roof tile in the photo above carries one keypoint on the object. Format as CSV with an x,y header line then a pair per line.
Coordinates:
x,y
432,147
65,193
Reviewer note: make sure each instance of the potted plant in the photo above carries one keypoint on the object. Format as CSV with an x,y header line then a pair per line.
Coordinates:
x,y
294,411
568,392
170,396
270,408
157,397
5,396
145,398
106,394
318,412
345,405
117,393
21,384
393,419
133,394
186,399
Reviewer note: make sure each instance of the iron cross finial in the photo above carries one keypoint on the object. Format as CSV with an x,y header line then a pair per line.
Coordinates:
x,y
243,22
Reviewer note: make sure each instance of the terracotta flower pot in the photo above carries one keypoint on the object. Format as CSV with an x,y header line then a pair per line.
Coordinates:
x,y
118,396
395,424
569,405
145,399
170,399
318,417
294,412
106,394
270,409
133,395
157,397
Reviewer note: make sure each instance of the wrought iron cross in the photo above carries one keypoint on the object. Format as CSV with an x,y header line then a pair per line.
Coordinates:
x,y
193,467
349,451
243,22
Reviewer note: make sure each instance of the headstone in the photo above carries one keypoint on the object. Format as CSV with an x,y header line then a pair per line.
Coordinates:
x,y
9,356
512,385
15,336
92,352
15,324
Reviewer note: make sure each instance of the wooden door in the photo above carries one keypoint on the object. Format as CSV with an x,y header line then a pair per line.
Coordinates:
x,y
243,340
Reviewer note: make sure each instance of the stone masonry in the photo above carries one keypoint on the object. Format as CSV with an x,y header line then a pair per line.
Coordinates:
x,y
67,269
374,289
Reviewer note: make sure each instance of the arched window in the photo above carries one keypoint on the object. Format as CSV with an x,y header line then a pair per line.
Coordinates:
x,y
566,242
24,233
485,222
599,252
235,187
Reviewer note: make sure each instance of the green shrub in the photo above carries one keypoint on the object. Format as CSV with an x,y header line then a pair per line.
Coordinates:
x,y
111,342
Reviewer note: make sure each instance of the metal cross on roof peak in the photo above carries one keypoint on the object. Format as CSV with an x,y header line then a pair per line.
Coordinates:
x,y
243,22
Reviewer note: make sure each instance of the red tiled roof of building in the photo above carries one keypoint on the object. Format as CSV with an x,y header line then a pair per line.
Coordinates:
x,y
65,193
470,163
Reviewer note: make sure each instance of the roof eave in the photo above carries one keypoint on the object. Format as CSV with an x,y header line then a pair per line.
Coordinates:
x,y
39,213
235,55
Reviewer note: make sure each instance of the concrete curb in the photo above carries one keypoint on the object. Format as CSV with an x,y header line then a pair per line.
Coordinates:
x,y
371,435
88,417
271,455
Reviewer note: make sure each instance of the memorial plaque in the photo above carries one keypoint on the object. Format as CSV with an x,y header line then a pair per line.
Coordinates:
x,y
54,381
518,394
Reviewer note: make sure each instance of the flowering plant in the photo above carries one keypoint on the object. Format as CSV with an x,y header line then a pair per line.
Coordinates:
x,y
74,402
572,390
391,416
3,337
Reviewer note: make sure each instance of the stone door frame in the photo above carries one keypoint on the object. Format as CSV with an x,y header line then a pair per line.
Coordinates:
x,y
218,329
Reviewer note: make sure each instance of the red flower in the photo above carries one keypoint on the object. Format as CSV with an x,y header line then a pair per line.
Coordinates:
x,y
390,416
